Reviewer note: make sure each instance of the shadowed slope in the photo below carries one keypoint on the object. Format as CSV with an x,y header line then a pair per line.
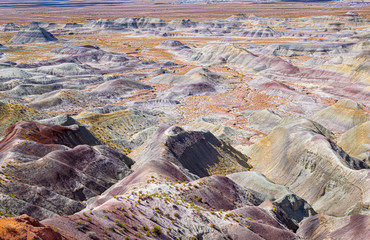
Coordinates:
x,y
201,153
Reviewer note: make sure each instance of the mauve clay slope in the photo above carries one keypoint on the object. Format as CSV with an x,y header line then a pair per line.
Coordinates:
x,y
64,169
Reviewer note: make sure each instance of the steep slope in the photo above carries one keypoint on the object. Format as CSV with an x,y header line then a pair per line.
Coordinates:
x,y
200,153
341,116
300,155
356,141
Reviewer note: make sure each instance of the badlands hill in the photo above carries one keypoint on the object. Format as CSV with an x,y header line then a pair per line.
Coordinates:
x,y
33,35
142,127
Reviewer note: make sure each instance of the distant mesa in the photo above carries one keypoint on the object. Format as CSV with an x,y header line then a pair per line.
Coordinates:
x,y
65,69
118,87
198,81
73,25
238,17
33,35
263,120
129,23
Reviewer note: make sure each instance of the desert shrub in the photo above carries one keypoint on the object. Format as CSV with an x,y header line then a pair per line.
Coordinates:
x,y
92,235
156,229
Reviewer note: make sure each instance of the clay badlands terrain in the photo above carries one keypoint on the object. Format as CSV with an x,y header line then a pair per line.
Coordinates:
x,y
182,120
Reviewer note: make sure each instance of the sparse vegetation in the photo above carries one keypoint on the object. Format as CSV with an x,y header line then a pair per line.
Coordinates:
x,y
92,235
156,229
